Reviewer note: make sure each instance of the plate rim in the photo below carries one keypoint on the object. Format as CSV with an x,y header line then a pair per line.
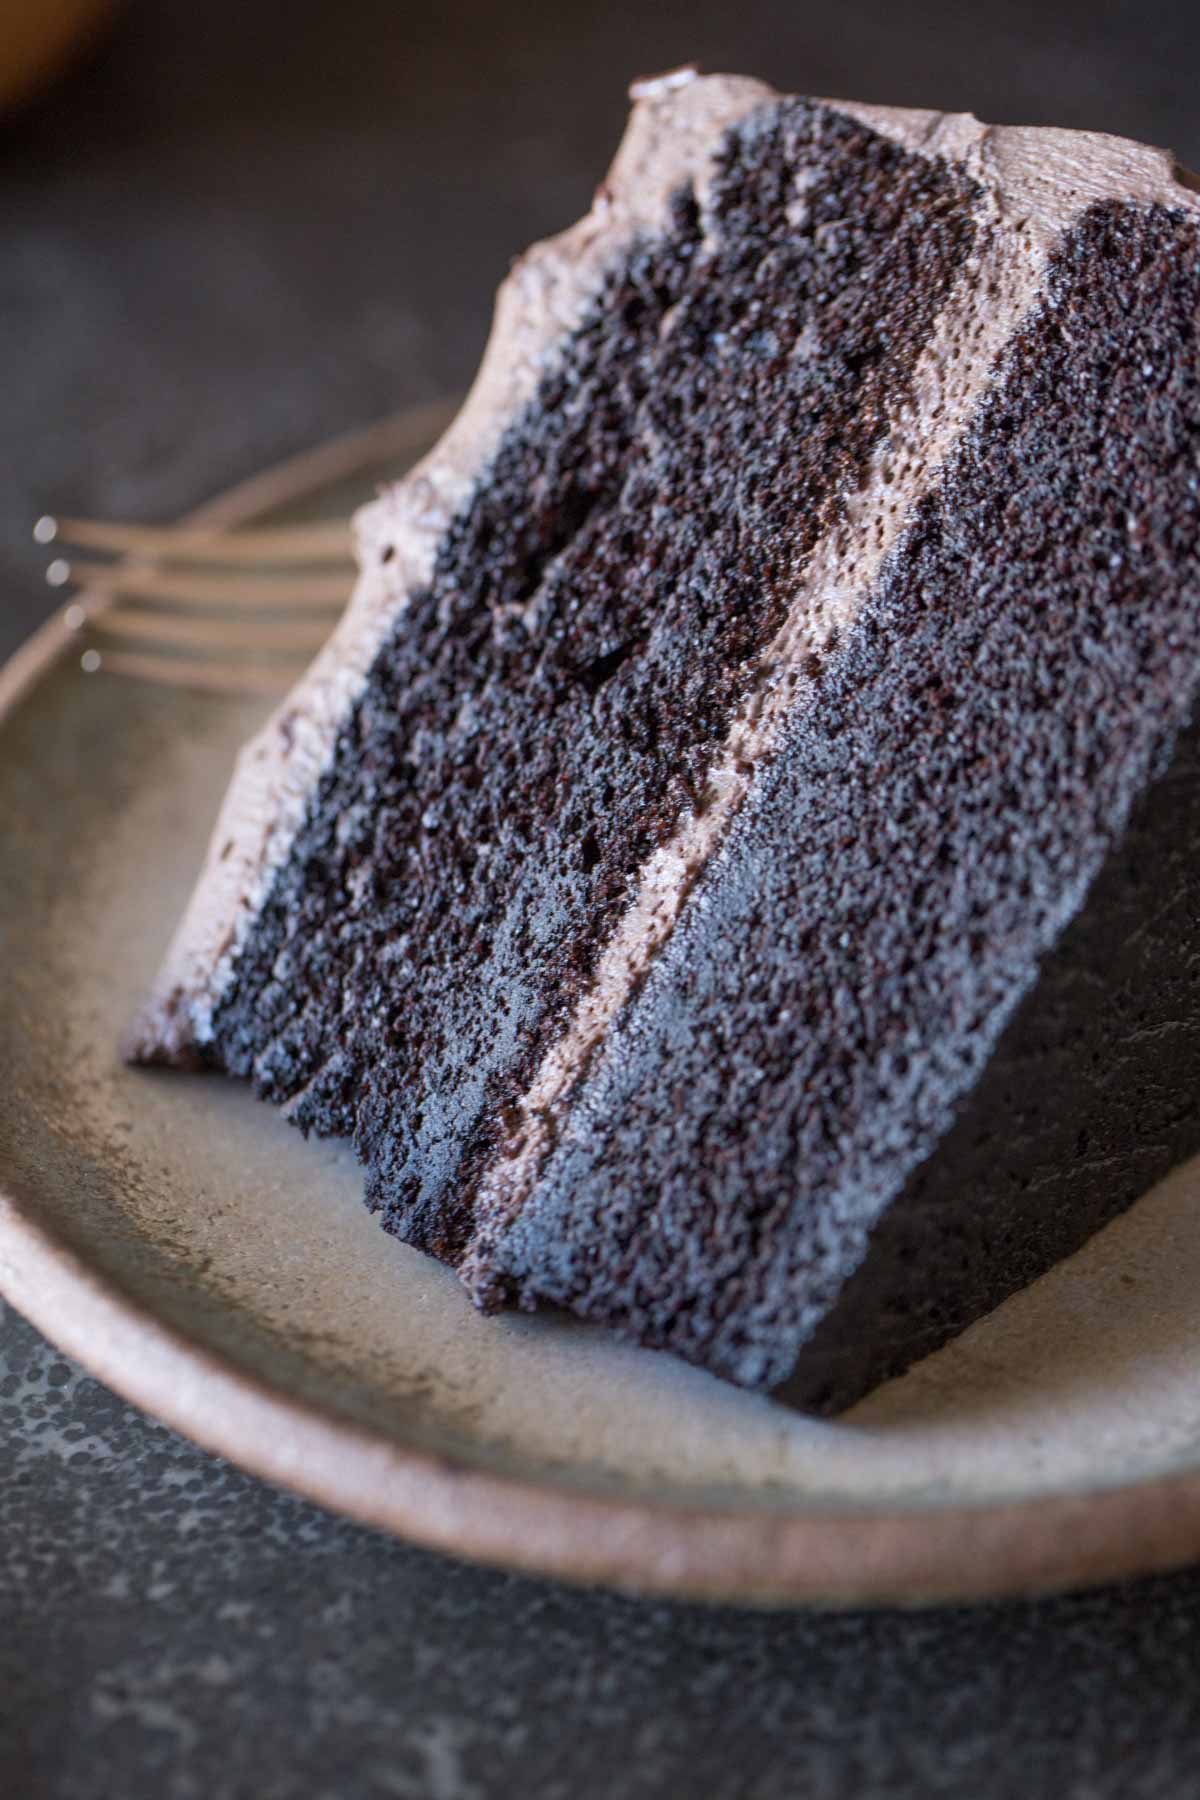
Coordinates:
x,y
896,1555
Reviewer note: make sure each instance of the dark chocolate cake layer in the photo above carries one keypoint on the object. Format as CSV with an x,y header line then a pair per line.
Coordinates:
x,y
947,794
699,873
551,701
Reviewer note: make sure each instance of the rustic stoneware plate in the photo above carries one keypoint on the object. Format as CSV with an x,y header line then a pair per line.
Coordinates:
x,y
197,1254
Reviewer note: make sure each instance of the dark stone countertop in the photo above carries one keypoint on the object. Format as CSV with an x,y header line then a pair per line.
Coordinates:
x,y
237,229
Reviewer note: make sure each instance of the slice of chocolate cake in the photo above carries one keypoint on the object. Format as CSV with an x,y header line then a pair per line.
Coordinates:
x,y
731,871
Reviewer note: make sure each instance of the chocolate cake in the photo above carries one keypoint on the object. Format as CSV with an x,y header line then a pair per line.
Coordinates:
x,y
731,870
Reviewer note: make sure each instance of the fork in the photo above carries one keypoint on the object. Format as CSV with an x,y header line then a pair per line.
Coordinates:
x,y
201,605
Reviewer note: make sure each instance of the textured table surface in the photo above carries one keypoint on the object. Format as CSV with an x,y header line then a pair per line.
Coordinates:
x,y
224,238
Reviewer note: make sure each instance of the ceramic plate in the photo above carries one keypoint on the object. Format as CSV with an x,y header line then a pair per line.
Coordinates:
x,y
192,1250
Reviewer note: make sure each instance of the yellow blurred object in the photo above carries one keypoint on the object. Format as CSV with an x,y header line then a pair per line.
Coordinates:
x,y
40,37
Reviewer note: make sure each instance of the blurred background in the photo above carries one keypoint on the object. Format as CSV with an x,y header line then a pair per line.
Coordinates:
x,y
227,231
231,229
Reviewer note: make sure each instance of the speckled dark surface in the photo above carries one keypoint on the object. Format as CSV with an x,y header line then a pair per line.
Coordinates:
x,y
219,244
172,1627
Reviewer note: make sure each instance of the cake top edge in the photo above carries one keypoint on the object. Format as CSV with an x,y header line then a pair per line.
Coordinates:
x,y
938,131
1039,176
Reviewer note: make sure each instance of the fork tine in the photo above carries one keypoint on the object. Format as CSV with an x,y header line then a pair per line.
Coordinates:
x,y
287,636
331,542
298,593
183,672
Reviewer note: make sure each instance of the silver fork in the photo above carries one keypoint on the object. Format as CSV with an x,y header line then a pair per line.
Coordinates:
x,y
215,603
